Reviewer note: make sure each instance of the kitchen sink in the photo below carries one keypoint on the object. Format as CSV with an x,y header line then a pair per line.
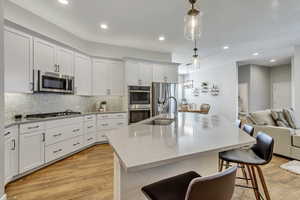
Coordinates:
x,y
160,121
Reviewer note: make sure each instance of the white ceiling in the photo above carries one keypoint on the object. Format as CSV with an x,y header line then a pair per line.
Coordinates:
x,y
270,27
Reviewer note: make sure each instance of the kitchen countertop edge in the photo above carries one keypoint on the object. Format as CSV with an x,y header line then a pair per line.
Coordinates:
x,y
11,123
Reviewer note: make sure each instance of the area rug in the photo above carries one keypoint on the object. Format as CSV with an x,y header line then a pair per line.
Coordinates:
x,y
292,166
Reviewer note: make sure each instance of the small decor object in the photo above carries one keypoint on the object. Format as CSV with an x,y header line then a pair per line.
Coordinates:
x,y
103,106
204,87
214,91
188,84
196,92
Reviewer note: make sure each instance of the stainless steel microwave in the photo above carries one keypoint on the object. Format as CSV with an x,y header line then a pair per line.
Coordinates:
x,y
52,82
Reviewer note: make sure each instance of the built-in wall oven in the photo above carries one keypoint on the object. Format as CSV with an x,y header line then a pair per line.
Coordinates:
x,y
52,82
139,103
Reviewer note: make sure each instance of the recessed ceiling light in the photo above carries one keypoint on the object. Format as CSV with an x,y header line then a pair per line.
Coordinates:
x,y
255,54
103,26
272,60
161,38
226,47
65,2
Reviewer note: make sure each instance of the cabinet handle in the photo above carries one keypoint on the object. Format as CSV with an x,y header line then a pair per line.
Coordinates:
x,y
59,150
76,144
58,68
14,144
90,126
33,127
7,133
120,123
104,124
90,117
57,135
90,139
44,137
76,130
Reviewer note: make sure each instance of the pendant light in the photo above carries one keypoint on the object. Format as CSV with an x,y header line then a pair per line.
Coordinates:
x,y
196,61
193,23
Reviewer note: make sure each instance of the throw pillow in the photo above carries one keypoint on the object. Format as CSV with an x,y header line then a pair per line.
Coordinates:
x,y
263,117
279,118
289,116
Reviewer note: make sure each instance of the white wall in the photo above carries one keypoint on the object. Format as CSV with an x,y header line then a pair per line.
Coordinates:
x,y
225,77
20,16
281,74
259,88
1,103
296,83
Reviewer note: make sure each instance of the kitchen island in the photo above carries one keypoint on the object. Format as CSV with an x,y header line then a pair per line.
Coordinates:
x,y
147,152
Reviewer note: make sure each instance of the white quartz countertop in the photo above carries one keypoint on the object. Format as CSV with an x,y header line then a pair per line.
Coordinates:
x,y
141,146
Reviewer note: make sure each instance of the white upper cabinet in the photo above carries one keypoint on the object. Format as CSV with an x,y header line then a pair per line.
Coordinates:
x,y
18,61
65,61
165,73
83,75
51,58
44,56
108,77
100,78
116,74
138,73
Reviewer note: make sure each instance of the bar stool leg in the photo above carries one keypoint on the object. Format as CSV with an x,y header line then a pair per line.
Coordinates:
x,y
221,164
263,182
253,183
244,172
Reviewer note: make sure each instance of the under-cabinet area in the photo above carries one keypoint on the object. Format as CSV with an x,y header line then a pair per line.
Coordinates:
x,y
30,146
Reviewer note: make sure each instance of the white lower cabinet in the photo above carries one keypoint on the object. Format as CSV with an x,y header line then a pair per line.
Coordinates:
x,y
11,157
56,151
32,150
90,138
76,143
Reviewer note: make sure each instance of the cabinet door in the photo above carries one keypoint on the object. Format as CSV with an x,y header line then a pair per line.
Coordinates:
x,y
146,74
32,150
132,73
83,75
11,154
171,73
116,74
18,62
44,56
65,61
100,78
159,73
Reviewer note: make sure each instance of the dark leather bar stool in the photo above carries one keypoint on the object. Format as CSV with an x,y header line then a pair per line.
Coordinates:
x,y
259,154
248,129
238,123
190,186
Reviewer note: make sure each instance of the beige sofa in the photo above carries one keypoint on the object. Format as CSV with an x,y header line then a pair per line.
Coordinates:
x,y
287,140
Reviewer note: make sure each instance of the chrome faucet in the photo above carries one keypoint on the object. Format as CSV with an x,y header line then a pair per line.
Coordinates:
x,y
167,101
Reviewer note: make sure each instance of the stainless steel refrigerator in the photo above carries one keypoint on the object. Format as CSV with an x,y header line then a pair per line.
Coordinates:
x,y
160,94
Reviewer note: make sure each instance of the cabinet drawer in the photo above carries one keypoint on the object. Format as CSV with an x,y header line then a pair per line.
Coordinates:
x,y
12,131
117,123
76,143
89,127
104,124
90,118
76,130
32,127
56,151
57,134
119,116
64,122
90,138
101,137
104,116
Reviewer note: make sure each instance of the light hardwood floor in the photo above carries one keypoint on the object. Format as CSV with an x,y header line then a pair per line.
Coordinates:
x,y
88,175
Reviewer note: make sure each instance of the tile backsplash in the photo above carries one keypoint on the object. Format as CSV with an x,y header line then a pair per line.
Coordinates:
x,y
17,103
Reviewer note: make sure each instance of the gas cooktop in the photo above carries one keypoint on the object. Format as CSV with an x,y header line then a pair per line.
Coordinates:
x,y
54,114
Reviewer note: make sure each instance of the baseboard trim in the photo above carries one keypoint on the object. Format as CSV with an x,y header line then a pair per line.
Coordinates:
x,y
3,197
